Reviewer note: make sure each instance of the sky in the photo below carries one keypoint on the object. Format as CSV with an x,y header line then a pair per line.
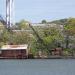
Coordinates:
x,y
37,10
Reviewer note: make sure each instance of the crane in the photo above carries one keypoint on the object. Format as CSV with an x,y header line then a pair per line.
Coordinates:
x,y
2,20
40,40
9,14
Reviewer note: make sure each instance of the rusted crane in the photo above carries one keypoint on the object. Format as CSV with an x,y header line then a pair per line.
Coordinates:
x,y
39,39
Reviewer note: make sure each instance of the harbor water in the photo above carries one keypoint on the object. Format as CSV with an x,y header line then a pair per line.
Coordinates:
x,y
37,67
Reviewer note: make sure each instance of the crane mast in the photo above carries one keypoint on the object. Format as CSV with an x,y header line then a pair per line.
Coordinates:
x,y
9,13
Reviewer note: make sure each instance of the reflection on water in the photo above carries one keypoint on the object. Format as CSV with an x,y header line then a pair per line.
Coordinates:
x,y
38,67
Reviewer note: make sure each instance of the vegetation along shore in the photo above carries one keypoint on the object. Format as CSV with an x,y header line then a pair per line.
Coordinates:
x,y
55,39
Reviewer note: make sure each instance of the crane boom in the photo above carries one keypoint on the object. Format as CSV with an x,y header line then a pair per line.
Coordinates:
x,y
37,35
40,40
2,20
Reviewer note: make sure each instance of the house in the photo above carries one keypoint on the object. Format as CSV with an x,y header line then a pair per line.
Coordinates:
x,y
14,51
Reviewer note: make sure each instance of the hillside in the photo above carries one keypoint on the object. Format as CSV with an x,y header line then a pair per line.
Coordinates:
x,y
60,22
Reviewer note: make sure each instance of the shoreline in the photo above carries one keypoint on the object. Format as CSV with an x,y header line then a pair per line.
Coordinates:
x,y
51,57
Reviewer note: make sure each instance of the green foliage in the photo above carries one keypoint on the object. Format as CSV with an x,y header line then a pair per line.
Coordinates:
x,y
69,31
70,26
20,38
44,22
51,38
7,37
60,22
23,25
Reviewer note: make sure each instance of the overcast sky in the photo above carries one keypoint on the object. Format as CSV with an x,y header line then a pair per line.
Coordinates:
x,y
37,10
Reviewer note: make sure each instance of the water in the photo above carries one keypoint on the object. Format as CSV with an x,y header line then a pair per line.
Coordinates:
x,y
38,67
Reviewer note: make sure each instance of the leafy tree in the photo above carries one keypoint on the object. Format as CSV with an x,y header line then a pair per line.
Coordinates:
x,y
70,26
51,39
44,22
23,25
8,37
70,33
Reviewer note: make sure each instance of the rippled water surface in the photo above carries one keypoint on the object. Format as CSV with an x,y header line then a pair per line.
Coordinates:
x,y
38,67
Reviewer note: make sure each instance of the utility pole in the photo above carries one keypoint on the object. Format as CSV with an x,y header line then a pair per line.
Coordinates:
x,y
9,13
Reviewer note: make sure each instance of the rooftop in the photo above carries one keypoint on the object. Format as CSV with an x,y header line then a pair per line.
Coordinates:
x,y
13,47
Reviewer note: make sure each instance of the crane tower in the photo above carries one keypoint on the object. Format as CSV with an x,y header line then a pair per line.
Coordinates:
x,y
9,13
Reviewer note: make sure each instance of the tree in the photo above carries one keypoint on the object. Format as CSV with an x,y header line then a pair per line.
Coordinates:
x,y
51,38
4,37
20,38
23,25
8,37
44,21
69,29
